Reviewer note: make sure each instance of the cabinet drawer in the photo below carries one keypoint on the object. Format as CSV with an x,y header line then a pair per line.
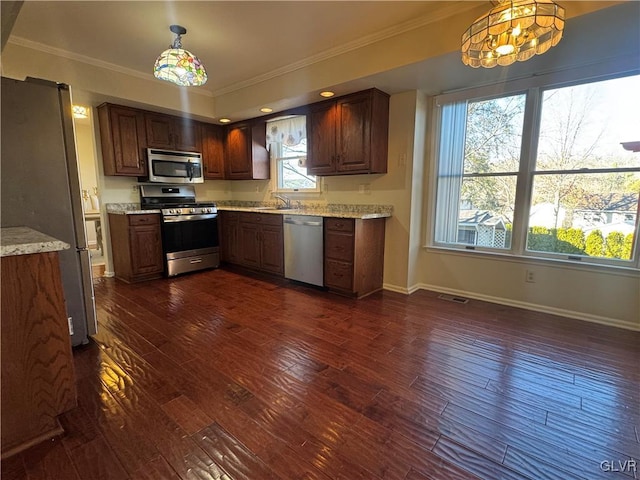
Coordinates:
x,y
339,246
338,275
261,218
151,219
339,224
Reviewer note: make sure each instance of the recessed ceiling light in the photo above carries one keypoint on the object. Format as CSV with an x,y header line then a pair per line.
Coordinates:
x,y
266,110
327,94
224,120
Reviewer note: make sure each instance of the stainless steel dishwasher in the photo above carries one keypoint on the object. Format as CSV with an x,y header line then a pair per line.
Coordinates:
x,y
303,249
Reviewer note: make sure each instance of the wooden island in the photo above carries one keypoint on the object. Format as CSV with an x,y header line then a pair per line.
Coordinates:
x,y
38,381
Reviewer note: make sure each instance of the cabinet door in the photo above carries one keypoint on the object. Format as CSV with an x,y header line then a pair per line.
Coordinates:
x,y
353,133
229,237
249,251
321,146
159,130
238,152
122,132
272,249
186,135
212,151
146,249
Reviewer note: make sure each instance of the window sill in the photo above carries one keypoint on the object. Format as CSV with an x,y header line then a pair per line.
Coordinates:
x,y
617,270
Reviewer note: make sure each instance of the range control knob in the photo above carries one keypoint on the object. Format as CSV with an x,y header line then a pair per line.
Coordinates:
x,y
206,210
192,210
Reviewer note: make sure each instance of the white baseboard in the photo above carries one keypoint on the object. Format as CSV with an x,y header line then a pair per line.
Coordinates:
x,y
612,322
109,274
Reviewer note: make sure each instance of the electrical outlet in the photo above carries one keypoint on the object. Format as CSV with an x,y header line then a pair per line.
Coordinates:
x,y
530,276
364,189
134,188
70,321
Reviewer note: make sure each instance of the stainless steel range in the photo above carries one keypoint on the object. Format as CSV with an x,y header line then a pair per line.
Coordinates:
x,y
189,228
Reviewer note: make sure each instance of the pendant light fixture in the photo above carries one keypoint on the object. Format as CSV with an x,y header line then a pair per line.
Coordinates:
x,y
514,30
180,66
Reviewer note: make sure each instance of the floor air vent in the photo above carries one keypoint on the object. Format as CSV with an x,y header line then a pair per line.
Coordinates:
x,y
453,298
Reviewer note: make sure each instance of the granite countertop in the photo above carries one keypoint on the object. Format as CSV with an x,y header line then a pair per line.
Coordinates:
x,y
128,209
323,210
328,211
24,240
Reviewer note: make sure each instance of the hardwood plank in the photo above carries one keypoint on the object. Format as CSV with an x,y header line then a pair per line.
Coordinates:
x,y
473,462
155,469
94,460
232,455
260,378
12,468
49,461
558,448
186,414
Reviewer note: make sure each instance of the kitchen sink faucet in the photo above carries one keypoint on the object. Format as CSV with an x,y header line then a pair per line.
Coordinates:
x,y
285,200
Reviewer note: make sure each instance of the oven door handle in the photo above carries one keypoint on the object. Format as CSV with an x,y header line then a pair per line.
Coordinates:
x,y
186,218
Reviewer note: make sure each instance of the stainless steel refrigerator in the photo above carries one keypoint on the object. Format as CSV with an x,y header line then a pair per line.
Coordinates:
x,y
40,184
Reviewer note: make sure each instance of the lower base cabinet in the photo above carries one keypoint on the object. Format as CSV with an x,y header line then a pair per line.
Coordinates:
x,y
354,255
38,381
253,240
136,246
353,249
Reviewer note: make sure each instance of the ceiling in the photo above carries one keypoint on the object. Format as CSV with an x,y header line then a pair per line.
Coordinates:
x,y
242,43
237,41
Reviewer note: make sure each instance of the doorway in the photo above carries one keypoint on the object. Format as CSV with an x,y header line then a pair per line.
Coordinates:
x,y
85,147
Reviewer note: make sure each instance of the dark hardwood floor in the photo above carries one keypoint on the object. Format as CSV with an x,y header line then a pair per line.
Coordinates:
x,y
217,375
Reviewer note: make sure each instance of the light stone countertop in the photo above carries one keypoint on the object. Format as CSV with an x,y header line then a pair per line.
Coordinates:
x,y
24,241
128,209
323,210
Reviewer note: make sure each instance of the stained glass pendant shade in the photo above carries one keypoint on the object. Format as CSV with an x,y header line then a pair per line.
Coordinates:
x,y
514,30
180,66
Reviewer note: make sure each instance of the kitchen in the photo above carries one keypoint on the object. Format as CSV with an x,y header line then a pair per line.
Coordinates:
x,y
407,266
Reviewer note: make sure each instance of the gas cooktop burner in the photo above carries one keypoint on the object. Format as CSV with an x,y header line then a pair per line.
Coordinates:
x,y
173,200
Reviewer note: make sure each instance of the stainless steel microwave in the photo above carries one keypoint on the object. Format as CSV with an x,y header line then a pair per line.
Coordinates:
x,y
168,166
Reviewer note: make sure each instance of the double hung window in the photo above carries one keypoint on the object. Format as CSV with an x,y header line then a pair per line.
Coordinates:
x,y
287,143
548,171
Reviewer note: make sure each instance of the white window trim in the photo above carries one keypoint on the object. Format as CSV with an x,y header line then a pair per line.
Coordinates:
x,y
534,85
275,175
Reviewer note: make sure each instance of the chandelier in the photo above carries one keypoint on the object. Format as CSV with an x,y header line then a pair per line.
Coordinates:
x,y
180,66
512,31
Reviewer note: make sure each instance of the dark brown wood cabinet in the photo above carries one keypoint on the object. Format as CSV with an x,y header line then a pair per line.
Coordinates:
x,y
172,133
123,140
349,135
354,255
212,137
260,242
38,381
136,246
246,156
229,231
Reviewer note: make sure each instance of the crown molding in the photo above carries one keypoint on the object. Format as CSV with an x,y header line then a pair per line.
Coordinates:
x,y
59,52
443,13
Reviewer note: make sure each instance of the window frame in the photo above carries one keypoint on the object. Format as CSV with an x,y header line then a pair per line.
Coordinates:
x,y
276,166
533,88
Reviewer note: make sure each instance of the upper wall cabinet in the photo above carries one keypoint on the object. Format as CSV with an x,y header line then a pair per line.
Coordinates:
x,y
212,151
172,133
246,156
349,135
122,132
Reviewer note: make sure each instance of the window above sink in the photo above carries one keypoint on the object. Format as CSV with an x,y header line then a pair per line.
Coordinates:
x,y
287,145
